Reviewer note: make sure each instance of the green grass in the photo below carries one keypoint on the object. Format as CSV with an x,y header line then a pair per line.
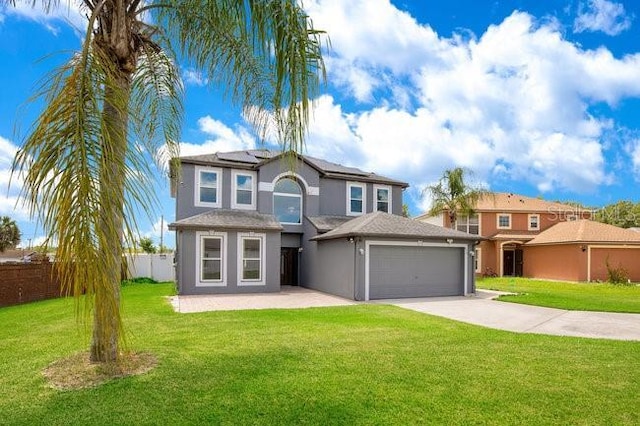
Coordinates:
x,y
362,364
567,295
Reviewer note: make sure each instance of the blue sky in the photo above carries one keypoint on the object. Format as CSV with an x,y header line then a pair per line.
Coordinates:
x,y
540,98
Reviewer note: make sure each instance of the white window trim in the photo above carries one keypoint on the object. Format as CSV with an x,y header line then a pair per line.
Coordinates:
x,y
498,221
364,198
234,190
263,243
375,197
200,236
468,225
283,194
218,202
529,222
478,260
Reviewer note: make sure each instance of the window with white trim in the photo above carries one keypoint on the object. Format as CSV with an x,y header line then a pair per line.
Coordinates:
x,y
504,221
244,190
534,222
287,202
478,260
356,199
251,259
211,254
208,184
469,224
383,198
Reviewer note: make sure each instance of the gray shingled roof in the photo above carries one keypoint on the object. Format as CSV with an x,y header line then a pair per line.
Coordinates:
x,y
327,223
385,225
229,219
254,158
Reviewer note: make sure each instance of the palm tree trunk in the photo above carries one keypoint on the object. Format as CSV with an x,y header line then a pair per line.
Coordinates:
x,y
106,325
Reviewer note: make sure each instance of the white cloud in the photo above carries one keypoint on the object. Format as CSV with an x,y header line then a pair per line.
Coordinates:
x,y
602,15
194,77
65,11
512,103
223,138
634,153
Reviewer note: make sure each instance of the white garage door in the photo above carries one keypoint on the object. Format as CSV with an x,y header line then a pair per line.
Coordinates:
x,y
415,271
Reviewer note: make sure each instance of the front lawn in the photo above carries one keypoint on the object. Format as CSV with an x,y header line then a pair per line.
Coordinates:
x,y
566,295
362,364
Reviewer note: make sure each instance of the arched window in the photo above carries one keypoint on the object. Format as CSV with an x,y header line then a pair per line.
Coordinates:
x,y
287,201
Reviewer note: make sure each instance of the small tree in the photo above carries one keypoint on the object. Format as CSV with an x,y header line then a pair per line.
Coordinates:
x,y
147,245
452,195
9,233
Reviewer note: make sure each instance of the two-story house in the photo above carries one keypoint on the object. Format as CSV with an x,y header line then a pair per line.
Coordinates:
x,y
251,221
507,222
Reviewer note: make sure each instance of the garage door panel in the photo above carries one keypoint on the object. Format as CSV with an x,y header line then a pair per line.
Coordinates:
x,y
413,271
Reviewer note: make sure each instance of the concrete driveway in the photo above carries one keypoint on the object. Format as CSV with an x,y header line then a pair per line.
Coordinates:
x,y
482,310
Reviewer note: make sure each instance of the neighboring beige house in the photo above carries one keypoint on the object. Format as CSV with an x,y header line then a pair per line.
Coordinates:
x,y
580,251
509,221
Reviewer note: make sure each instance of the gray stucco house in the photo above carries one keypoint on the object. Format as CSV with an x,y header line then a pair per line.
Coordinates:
x,y
251,221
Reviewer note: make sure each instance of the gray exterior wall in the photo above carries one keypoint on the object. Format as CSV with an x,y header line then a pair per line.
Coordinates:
x,y
188,265
334,272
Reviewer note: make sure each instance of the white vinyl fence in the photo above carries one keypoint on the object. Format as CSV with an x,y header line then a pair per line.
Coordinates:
x,y
156,266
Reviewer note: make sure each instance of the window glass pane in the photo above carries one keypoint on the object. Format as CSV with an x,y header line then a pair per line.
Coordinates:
x,y
287,209
474,229
211,248
504,221
287,186
383,195
211,270
251,248
356,206
243,197
208,178
356,193
383,207
208,195
251,270
473,220
243,182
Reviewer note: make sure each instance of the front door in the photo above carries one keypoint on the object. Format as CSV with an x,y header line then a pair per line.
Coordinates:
x,y
288,266
518,263
508,263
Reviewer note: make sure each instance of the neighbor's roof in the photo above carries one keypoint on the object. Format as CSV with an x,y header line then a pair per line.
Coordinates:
x,y
506,202
229,219
327,223
253,159
585,231
385,225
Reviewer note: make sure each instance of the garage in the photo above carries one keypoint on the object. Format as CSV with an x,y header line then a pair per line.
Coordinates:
x,y
397,271
385,256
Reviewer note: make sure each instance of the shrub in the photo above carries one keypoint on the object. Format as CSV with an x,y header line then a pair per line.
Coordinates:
x,y
617,275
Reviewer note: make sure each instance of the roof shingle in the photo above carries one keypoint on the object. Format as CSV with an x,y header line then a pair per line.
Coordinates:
x,y
385,225
585,231
229,219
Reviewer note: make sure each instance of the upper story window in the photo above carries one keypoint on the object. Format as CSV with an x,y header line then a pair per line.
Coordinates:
x,y
469,224
287,201
383,198
504,221
244,190
534,222
208,183
356,198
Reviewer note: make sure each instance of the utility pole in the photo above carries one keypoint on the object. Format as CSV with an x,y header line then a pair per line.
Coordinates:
x,y
161,233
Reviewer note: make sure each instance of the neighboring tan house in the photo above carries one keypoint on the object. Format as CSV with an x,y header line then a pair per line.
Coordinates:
x,y
580,251
508,221
251,221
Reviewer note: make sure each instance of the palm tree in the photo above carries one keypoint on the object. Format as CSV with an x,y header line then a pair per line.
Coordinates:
x,y
119,99
452,195
9,233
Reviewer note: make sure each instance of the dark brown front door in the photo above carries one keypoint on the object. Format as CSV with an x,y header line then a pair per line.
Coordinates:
x,y
518,263
289,266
